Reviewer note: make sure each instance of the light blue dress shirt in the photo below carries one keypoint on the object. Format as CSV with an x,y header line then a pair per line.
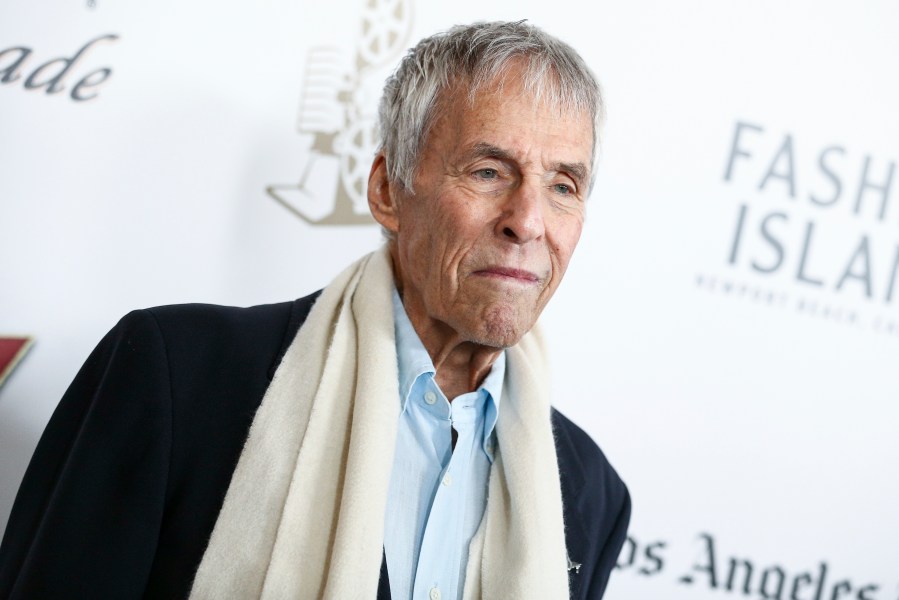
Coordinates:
x,y
437,494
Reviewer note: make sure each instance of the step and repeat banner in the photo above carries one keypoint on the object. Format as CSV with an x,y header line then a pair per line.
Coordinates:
x,y
728,330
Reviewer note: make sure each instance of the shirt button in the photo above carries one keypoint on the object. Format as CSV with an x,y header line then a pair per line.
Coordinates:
x,y
447,480
431,398
435,593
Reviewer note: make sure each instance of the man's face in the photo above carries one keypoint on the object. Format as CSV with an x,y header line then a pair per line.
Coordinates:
x,y
498,208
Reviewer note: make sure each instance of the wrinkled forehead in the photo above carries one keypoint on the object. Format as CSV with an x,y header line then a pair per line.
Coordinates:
x,y
466,94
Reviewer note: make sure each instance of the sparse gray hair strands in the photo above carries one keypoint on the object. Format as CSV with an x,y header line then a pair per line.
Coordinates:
x,y
476,55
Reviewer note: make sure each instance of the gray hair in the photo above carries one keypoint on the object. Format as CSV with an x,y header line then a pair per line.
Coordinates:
x,y
476,55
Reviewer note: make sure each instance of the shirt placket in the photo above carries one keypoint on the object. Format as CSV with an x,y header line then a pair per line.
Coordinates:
x,y
436,577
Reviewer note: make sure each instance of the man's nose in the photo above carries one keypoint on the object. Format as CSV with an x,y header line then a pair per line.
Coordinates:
x,y
522,217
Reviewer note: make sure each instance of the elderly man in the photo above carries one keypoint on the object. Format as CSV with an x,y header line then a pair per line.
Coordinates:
x,y
390,436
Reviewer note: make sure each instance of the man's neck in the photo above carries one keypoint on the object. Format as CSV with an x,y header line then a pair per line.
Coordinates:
x,y
463,367
460,365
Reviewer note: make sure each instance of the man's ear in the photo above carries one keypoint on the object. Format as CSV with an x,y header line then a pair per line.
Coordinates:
x,y
382,196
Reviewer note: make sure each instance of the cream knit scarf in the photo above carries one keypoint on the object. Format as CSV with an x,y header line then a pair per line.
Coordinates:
x,y
304,513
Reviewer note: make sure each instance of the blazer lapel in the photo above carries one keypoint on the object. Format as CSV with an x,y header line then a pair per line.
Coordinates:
x,y
571,480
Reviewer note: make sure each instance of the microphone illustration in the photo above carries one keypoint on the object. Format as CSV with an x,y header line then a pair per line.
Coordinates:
x,y
340,116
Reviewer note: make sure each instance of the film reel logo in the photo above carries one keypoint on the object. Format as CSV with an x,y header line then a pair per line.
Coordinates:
x,y
338,109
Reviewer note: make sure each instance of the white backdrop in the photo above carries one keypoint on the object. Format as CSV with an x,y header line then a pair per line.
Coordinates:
x,y
726,328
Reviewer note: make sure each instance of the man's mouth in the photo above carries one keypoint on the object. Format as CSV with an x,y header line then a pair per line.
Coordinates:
x,y
509,274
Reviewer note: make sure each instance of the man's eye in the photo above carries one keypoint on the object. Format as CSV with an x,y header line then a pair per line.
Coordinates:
x,y
487,173
563,188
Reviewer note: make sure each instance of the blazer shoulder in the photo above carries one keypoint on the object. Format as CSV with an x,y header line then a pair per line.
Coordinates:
x,y
195,318
227,331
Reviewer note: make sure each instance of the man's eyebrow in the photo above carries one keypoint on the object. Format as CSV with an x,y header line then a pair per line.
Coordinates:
x,y
577,170
482,149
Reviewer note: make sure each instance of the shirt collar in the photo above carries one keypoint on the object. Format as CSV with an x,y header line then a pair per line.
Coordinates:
x,y
412,358
493,385
414,361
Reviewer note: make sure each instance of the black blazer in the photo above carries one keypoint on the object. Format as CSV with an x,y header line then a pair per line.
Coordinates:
x,y
125,486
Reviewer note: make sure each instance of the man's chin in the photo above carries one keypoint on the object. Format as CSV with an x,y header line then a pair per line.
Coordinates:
x,y
502,327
